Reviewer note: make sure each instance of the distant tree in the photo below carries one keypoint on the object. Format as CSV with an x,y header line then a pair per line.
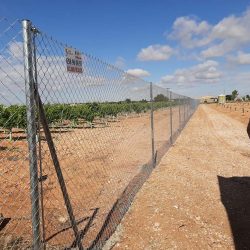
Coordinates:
x,y
229,98
143,100
128,100
160,98
235,93
248,97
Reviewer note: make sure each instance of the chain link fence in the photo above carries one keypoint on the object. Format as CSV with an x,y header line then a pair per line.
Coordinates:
x,y
79,137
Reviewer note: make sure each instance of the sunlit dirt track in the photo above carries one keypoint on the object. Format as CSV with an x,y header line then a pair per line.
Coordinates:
x,y
199,195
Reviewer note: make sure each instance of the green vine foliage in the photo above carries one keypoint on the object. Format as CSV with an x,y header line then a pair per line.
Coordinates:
x,y
14,116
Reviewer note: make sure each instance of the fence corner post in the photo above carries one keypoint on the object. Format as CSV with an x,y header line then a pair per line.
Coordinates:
x,y
31,130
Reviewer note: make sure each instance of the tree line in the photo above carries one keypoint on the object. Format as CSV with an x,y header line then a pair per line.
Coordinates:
x,y
235,94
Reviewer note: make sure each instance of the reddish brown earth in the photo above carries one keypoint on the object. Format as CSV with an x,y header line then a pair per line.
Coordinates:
x,y
239,111
97,165
198,197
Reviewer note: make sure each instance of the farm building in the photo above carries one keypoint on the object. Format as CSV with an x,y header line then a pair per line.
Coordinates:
x,y
209,99
222,99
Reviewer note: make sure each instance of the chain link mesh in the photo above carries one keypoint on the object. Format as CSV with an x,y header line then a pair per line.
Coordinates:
x,y
15,205
100,123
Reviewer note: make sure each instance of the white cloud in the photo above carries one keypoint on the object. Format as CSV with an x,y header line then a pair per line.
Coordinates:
x,y
205,72
189,32
233,27
15,50
155,53
120,62
218,50
229,34
138,72
55,83
12,81
241,58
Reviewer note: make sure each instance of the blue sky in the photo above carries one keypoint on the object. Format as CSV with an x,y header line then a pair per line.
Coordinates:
x,y
194,47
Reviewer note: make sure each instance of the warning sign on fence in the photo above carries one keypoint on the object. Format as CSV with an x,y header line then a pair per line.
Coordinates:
x,y
73,60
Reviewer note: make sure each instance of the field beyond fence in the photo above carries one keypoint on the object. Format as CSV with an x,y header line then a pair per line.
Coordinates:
x,y
75,145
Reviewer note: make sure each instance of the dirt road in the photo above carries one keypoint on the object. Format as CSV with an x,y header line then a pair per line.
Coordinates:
x,y
198,197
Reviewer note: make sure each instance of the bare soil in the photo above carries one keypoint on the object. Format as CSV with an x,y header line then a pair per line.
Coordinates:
x,y
239,111
97,165
198,197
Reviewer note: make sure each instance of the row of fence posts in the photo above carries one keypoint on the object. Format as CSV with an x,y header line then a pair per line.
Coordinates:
x,y
186,114
235,108
32,102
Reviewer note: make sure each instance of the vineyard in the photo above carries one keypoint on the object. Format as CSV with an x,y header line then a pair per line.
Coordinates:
x,y
72,115
94,159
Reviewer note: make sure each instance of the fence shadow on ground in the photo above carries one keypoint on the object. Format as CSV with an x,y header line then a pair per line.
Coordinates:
x,y
83,232
123,203
235,197
120,207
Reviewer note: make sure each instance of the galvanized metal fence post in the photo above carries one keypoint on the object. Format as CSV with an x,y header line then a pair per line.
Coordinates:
x,y
179,102
152,125
40,167
31,131
189,108
171,118
184,110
